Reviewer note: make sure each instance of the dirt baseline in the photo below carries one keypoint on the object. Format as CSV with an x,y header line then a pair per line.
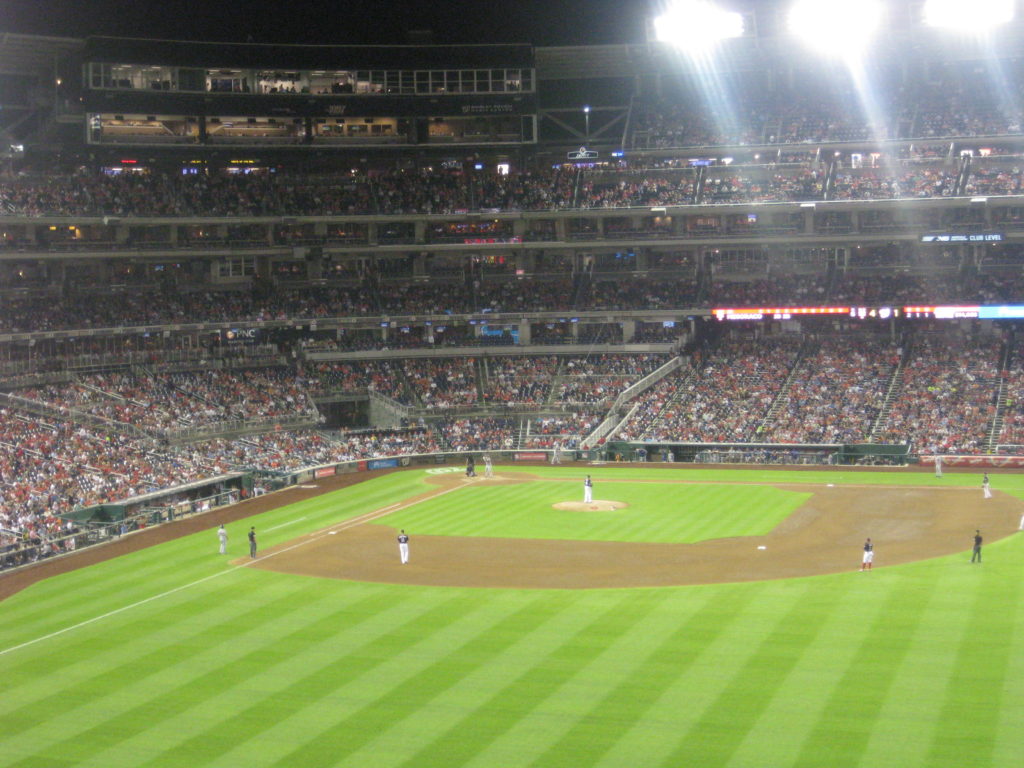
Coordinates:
x,y
825,535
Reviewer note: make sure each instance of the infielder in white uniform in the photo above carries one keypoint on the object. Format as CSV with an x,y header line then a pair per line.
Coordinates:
x,y
222,534
588,490
986,490
938,466
488,467
403,547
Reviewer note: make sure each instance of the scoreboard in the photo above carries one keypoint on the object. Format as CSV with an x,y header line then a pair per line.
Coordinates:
x,y
932,311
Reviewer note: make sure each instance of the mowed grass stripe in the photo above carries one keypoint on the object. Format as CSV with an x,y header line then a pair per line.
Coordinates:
x,y
718,732
84,654
844,724
183,737
162,693
559,614
975,684
632,685
59,601
615,710
549,674
81,714
903,730
796,701
410,689
677,681
960,623
137,576
323,683
1007,745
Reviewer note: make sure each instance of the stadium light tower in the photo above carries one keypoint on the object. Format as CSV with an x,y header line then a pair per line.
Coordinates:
x,y
836,27
696,24
968,15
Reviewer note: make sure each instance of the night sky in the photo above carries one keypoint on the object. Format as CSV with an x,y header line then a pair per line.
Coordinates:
x,y
541,22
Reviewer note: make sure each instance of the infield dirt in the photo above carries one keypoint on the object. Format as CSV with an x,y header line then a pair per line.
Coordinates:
x,y
824,535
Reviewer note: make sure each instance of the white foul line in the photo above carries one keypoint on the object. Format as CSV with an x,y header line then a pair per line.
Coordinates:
x,y
282,525
350,523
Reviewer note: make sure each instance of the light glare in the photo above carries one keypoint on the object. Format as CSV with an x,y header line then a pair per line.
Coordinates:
x,y
842,27
969,15
695,23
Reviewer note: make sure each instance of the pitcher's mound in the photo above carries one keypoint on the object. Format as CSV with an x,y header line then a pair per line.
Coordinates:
x,y
597,505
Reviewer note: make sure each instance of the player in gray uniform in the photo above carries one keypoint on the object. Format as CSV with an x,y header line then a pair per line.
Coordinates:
x,y
488,467
986,489
938,466
222,534
403,547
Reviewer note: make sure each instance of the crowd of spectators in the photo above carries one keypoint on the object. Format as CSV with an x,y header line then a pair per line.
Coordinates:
x,y
947,397
289,450
163,403
429,191
1011,435
993,180
792,290
730,394
742,186
381,376
442,383
945,403
836,392
616,190
599,379
51,467
809,115
423,191
565,430
480,434
519,380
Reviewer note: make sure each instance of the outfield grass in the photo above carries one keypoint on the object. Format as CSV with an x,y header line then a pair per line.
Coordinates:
x,y
173,657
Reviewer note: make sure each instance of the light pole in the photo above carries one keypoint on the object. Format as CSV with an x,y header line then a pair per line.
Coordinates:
x,y
586,118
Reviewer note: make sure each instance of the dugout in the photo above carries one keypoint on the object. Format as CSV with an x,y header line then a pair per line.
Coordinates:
x,y
167,504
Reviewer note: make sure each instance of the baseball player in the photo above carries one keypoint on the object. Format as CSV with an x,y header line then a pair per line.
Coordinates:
x,y
869,555
938,466
252,541
556,454
470,467
488,466
588,490
403,547
222,534
986,489
976,552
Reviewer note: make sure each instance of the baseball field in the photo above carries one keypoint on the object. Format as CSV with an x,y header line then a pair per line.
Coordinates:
x,y
688,617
